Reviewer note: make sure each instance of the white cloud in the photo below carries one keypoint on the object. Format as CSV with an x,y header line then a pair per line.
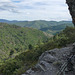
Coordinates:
x,y
7,5
34,10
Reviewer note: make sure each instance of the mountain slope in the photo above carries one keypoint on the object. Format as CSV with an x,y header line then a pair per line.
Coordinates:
x,y
55,29
28,59
18,38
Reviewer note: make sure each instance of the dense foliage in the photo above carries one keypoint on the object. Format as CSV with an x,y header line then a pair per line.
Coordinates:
x,y
27,59
55,29
14,39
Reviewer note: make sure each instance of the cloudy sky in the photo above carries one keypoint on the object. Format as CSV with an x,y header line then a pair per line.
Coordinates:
x,y
34,10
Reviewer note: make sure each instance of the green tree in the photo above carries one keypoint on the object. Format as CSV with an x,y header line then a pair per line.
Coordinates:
x,y
30,47
11,52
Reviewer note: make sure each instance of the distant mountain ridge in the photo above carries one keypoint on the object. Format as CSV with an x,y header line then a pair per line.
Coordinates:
x,y
35,24
4,20
51,27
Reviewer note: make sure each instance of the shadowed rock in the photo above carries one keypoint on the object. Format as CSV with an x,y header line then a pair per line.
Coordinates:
x,y
71,5
50,62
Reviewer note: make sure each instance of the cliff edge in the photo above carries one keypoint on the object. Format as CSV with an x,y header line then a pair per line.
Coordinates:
x,y
50,62
71,5
57,61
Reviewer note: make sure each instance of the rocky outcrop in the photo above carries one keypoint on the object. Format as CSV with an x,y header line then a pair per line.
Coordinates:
x,y
50,62
71,5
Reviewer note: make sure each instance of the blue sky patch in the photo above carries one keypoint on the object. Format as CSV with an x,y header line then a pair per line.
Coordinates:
x,y
17,1
40,3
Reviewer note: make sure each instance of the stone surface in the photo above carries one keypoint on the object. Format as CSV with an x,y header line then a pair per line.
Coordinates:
x,y
71,5
50,61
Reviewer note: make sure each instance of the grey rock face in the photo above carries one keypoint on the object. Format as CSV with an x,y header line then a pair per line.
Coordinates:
x,y
50,61
71,5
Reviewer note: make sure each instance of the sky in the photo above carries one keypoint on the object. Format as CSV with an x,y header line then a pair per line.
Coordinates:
x,y
56,10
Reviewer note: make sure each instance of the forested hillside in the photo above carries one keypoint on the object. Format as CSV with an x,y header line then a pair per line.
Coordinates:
x,y
14,39
55,29
25,60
